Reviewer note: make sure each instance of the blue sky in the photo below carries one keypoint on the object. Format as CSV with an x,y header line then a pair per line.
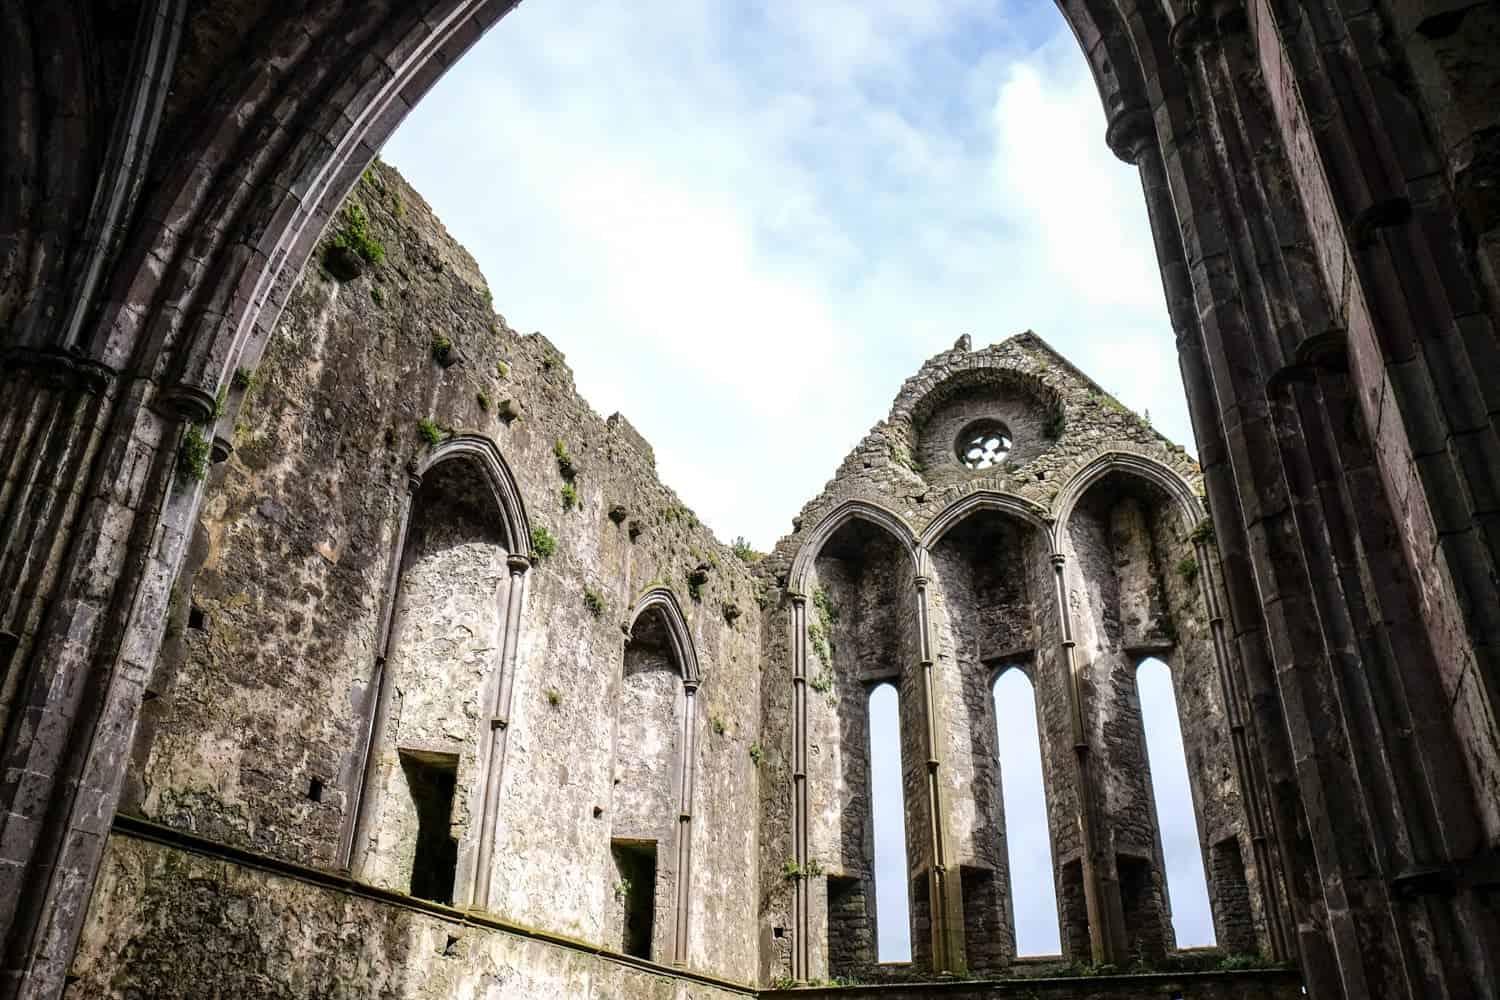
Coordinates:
x,y
746,224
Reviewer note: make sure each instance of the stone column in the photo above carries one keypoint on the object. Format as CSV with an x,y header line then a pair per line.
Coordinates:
x,y
355,847
944,892
95,514
1269,777
499,730
685,823
1100,886
801,924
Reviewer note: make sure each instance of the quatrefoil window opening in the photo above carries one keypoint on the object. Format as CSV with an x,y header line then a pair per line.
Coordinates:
x,y
984,445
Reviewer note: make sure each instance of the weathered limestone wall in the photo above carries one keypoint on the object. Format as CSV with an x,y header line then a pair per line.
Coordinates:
x,y
288,574
985,539
1270,985
168,923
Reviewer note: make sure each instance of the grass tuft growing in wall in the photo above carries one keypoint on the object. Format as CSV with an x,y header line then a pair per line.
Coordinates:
x,y
543,542
570,496
757,754
244,378
354,237
594,601
745,553
564,460
1188,568
442,349
1203,531
429,431
192,455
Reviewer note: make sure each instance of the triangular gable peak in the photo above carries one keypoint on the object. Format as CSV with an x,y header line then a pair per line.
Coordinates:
x,y
1014,420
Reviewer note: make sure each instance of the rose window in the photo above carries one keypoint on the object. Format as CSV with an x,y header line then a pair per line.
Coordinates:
x,y
984,445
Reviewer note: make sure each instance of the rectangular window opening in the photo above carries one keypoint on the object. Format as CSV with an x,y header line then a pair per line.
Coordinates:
x,y
431,778
635,894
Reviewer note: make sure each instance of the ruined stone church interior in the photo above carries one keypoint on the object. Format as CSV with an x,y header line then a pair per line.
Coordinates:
x,y
346,651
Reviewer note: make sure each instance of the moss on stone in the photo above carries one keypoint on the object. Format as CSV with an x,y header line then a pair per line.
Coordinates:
x,y
192,455
352,246
543,542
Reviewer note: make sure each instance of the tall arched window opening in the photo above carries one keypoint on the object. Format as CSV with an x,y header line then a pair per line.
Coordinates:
x,y
1028,838
888,819
1187,888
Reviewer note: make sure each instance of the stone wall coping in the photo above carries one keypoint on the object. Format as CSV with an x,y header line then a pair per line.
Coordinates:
x,y
143,829
1128,986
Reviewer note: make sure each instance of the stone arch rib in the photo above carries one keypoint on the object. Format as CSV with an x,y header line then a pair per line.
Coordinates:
x,y
663,601
480,451
841,515
1024,510
1139,466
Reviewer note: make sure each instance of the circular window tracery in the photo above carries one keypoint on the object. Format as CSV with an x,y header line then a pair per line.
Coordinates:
x,y
983,445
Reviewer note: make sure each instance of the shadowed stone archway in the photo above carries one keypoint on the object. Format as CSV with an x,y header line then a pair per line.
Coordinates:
x,y
1320,182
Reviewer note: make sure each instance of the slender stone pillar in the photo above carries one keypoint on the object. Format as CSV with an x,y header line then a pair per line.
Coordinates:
x,y
801,922
499,729
685,823
355,848
944,892
1101,887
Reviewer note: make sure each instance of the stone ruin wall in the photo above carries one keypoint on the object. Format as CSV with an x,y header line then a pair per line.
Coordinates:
x,y
1129,596
264,688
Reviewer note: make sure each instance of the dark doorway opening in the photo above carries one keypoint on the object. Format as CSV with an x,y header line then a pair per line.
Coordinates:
x,y
431,778
635,894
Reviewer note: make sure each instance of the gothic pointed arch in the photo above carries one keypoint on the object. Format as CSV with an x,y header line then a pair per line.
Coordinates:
x,y
850,510
484,454
1024,510
665,603
1132,464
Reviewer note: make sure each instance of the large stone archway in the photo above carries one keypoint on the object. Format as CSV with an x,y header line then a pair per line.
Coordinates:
x,y
1320,181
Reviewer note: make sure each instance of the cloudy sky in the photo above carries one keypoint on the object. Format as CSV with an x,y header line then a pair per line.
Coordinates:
x,y
746,224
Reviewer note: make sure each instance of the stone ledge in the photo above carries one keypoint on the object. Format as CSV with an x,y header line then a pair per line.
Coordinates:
x,y
144,830
1261,984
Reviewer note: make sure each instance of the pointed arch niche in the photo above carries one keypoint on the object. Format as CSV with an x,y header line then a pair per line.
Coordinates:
x,y
425,815
992,591
655,759
857,608
1141,584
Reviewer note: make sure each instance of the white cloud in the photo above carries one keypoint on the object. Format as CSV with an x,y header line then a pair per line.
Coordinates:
x,y
746,226
766,220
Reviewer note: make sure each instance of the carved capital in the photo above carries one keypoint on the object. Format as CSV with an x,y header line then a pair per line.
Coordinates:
x,y
1131,131
187,403
517,563
61,369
